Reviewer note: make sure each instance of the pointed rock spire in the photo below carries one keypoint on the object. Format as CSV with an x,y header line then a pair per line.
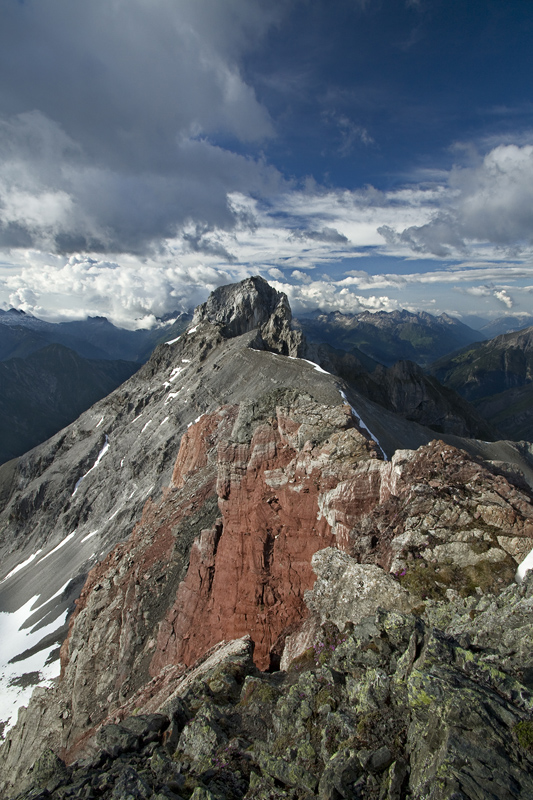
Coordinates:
x,y
251,305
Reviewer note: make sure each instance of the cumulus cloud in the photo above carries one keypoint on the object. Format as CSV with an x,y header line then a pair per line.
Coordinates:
x,y
303,277
131,293
503,296
491,202
329,295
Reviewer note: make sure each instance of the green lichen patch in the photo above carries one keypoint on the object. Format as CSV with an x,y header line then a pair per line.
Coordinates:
x,y
524,733
431,581
260,691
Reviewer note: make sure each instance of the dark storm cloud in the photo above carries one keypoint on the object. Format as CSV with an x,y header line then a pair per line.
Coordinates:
x,y
110,114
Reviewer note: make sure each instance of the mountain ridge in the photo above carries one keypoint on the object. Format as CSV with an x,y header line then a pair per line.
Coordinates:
x,y
223,454
497,376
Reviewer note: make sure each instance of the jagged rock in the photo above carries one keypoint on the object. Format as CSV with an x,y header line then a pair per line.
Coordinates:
x,y
445,719
202,736
202,794
49,771
342,770
116,739
131,786
250,305
287,476
287,772
449,710
346,592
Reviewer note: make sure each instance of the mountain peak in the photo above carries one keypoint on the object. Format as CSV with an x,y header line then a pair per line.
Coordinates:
x,y
241,307
252,304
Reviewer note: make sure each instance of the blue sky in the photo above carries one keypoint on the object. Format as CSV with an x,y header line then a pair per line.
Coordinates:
x,y
360,154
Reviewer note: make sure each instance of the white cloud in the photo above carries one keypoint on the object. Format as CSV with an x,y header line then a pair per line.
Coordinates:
x,y
331,296
504,297
491,203
130,293
303,277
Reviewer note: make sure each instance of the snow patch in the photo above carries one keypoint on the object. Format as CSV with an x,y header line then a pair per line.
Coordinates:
x,y
196,420
100,456
114,514
165,420
173,341
21,565
89,536
16,640
169,397
175,372
525,565
317,367
363,426
192,330
100,422
148,423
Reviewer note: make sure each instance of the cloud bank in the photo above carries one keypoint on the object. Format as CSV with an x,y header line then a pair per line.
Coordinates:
x,y
133,178
491,203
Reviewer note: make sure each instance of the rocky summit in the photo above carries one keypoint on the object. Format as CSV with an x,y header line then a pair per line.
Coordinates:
x,y
237,577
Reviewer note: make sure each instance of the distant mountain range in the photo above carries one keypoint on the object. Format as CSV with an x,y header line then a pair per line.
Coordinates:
x,y
507,324
497,376
388,337
94,337
50,373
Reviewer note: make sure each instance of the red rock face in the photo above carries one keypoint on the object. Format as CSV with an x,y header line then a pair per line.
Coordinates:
x,y
249,573
227,551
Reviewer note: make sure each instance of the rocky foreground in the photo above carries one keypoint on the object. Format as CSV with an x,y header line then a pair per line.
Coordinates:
x,y
424,705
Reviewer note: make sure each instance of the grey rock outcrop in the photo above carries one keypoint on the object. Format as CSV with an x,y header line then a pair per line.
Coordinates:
x,y
346,592
250,305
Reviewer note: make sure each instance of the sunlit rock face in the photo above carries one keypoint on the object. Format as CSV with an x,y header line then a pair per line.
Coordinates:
x,y
253,305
